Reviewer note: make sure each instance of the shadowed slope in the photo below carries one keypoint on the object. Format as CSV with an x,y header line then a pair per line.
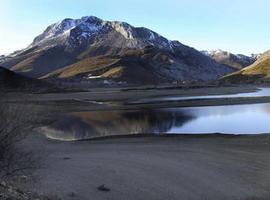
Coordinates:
x,y
11,80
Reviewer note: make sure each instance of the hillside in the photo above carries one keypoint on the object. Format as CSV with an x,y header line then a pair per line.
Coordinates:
x,y
11,80
259,72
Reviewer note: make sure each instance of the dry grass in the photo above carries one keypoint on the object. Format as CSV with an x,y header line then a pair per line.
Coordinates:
x,y
262,68
115,72
258,72
26,65
84,66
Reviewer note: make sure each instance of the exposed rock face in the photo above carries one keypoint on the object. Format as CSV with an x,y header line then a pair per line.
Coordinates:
x,y
237,61
90,49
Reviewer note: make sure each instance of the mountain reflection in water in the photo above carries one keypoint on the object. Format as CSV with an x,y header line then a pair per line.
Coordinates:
x,y
86,125
233,119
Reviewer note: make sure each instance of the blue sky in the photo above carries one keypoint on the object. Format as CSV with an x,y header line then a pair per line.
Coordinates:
x,y
239,26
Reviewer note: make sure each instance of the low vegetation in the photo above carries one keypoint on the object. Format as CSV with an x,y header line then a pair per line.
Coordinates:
x,y
14,126
88,65
17,163
259,72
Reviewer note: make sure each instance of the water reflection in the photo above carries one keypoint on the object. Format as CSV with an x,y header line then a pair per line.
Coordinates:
x,y
262,92
85,125
234,119
237,119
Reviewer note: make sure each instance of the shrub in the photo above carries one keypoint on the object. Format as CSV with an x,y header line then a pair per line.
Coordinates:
x,y
15,123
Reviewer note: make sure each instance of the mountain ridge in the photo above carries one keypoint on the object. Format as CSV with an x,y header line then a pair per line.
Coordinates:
x,y
237,61
141,53
258,72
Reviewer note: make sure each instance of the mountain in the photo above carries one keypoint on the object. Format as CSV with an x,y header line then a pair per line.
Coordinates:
x,y
2,58
91,49
237,61
259,72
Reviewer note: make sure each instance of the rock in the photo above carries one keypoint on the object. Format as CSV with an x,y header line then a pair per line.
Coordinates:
x,y
72,194
103,188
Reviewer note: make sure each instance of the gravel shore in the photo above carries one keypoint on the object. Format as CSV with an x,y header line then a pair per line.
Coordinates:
x,y
187,167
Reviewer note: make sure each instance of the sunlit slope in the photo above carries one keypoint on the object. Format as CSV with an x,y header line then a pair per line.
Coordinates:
x,y
259,72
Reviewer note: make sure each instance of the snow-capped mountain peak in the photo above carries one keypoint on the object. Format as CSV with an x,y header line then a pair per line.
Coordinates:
x,y
55,30
73,32
62,28
140,54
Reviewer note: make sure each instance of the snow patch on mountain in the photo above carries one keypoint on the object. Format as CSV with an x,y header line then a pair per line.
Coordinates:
x,y
71,31
72,41
55,30
152,36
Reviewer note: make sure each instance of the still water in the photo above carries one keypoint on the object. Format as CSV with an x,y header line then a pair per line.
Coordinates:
x,y
233,119
262,92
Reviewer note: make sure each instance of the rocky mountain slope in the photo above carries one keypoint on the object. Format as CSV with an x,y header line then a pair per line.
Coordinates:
x,y
237,61
89,49
259,72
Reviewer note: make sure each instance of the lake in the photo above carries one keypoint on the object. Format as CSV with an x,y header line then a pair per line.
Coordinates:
x,y
262,92
233,119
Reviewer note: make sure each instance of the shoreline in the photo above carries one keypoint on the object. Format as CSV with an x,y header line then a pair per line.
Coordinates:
x,y
191,167
82,103
164,136
152,167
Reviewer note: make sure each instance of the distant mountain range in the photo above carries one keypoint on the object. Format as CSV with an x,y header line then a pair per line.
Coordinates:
x,y
91,49
258,72
237,61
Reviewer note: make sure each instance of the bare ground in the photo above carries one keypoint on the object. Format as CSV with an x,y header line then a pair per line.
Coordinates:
x,y
184,167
